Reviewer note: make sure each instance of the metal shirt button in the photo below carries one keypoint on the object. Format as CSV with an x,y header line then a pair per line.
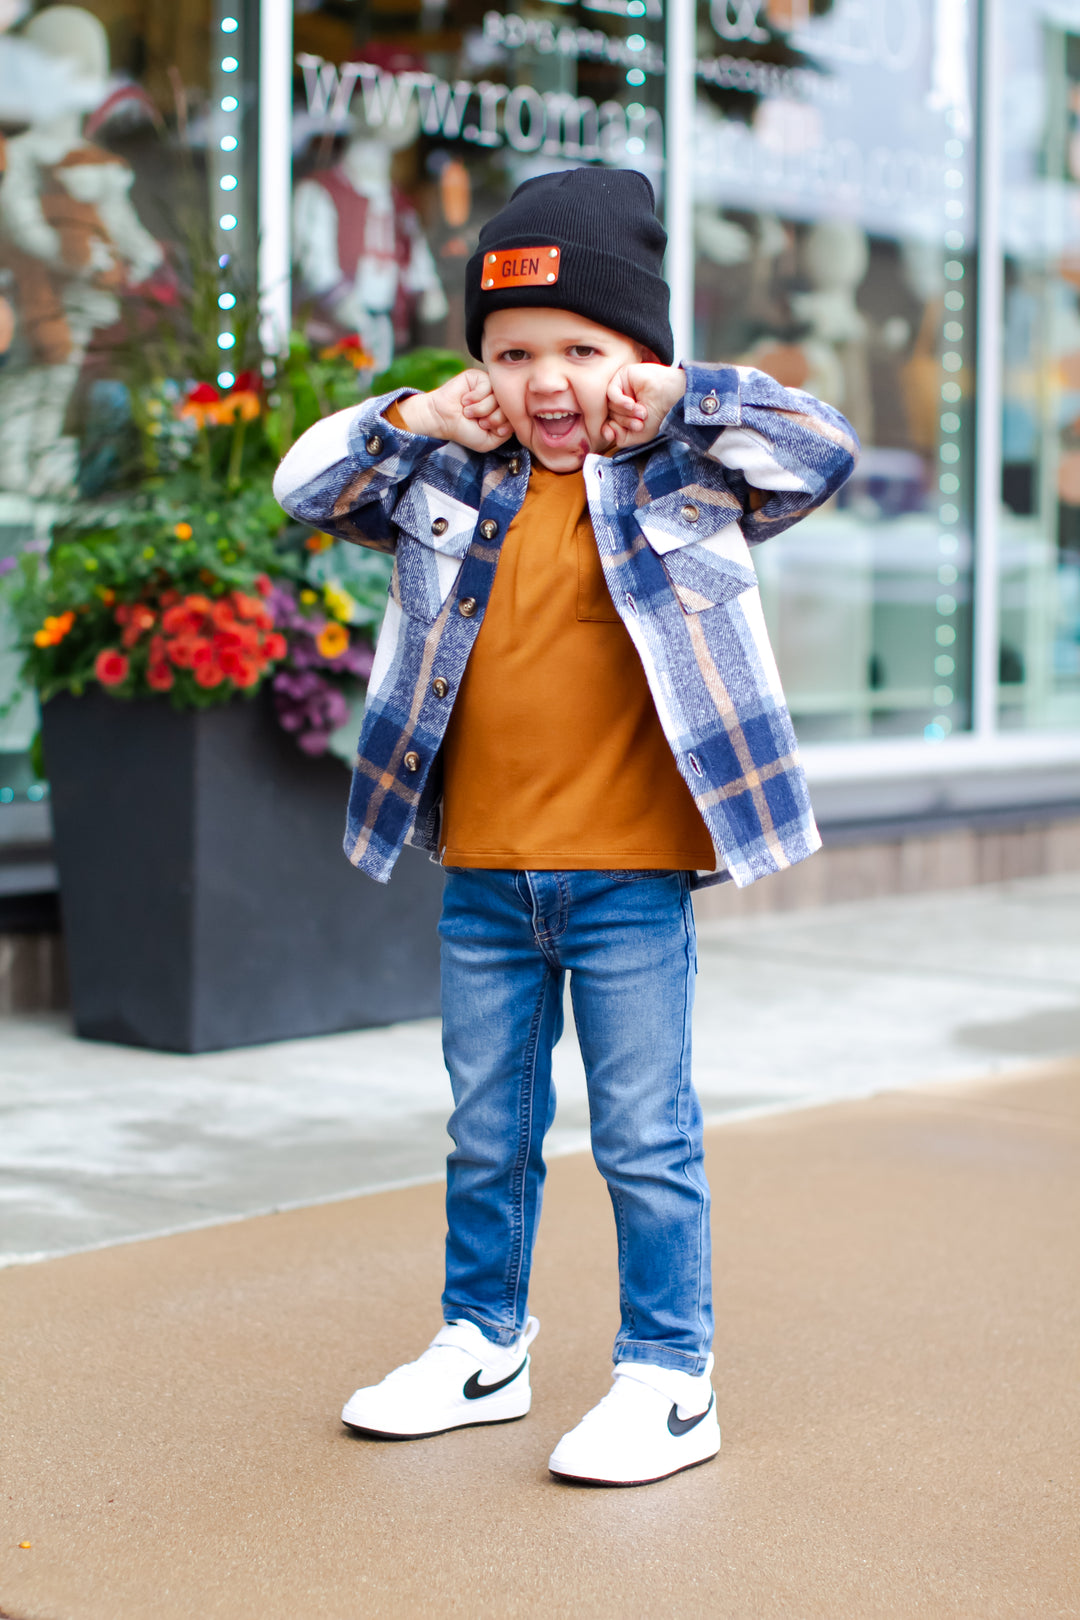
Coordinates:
x,y
467,606
690,512
373,445
710,404
440,686
515,465
440,526
411,761
489,528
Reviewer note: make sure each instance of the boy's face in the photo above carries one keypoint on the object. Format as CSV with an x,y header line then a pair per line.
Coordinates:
x,y
549,372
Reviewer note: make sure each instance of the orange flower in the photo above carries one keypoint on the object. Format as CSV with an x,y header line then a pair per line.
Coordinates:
x,y
197,603
274,646
201,405
111,667
222,614
169,598
263,584
332,640
350,348
107,596
242,402
209,674
319,542
183,531
54,629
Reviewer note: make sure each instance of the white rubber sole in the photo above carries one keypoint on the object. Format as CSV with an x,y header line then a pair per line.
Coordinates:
x,y
630,1484
676,1463
499,1408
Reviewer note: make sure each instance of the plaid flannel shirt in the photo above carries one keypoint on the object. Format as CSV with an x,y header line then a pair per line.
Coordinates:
x,y
673,521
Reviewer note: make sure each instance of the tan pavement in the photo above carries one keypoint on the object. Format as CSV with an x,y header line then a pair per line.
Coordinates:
x,y
898,1369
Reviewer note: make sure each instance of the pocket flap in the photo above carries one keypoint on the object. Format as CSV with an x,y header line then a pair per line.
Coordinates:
x,y
688,517
436,519
711,571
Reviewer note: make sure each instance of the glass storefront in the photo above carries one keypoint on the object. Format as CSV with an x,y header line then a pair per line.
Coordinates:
x,y
107,118
834,243
832,236
411,128
1039,678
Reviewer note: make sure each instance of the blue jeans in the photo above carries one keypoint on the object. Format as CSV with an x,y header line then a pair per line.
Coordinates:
x,y
627,940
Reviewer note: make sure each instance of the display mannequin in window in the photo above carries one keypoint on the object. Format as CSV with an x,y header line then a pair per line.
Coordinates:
x,y
72,241
361,252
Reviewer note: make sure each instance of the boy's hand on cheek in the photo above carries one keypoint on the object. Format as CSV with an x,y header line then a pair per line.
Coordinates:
x,y
464,410
639,397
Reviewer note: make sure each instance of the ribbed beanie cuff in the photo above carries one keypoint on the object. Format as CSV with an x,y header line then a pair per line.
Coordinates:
x,y
610,255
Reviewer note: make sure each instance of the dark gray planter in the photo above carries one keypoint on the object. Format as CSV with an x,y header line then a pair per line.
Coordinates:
x,y
206,901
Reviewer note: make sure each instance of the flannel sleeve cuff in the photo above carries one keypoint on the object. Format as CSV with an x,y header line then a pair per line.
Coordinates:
x,y
712,398
377,432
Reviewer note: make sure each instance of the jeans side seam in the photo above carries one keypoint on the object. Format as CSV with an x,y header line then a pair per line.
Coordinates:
x,y
684,1080
527,1094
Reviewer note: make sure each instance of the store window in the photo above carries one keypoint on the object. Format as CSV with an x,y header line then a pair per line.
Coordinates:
x,y
834,241
1039,541
413,124
128,176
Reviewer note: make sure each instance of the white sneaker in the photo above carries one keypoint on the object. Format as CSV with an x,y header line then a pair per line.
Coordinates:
x,y
654,1422
461,1379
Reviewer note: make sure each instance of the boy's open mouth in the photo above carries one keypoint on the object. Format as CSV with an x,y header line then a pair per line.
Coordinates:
x,y
554,428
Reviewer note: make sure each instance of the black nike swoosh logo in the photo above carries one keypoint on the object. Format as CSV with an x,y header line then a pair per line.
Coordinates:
x,y
677,1425
474,1389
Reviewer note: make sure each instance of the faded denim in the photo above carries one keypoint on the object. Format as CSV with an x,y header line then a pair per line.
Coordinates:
x,y
627,941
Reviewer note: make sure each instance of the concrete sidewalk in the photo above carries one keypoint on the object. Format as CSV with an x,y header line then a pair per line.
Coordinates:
x,y
101,1143
896,1375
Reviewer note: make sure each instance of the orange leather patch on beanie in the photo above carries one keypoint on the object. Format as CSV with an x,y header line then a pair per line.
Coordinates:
x,y
520,267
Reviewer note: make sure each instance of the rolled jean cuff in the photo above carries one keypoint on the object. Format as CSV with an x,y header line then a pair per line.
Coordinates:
x,y
662,1355
502,1336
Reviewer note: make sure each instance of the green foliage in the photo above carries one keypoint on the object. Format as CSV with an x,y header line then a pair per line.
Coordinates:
x,y
132,554
423,369
176,502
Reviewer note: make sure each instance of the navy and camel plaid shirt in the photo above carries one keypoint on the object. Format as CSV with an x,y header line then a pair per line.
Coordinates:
x,y
673,521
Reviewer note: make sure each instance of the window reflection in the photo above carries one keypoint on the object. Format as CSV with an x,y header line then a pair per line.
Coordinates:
x,y
1039,667
833,231
409,134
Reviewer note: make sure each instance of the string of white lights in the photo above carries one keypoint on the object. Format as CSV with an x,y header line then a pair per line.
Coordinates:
x,y
225,124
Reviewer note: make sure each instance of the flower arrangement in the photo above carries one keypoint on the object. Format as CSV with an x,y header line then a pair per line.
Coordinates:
x,y
176,576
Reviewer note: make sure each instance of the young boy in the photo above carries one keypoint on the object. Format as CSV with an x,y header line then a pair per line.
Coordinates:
x,y
575,707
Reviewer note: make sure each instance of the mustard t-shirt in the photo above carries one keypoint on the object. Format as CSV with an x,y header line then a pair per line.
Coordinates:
x,y
555,757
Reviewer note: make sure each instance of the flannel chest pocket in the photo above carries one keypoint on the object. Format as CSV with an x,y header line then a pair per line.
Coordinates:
x,y
696,534
435,531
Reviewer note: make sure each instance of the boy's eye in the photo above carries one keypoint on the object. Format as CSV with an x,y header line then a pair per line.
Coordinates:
x,y
514,354
582,351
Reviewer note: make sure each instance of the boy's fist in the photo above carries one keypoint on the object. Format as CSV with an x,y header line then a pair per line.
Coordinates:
x,y
463,409
639,397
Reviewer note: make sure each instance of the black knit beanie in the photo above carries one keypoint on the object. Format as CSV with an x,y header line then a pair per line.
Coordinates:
x,y
585,240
